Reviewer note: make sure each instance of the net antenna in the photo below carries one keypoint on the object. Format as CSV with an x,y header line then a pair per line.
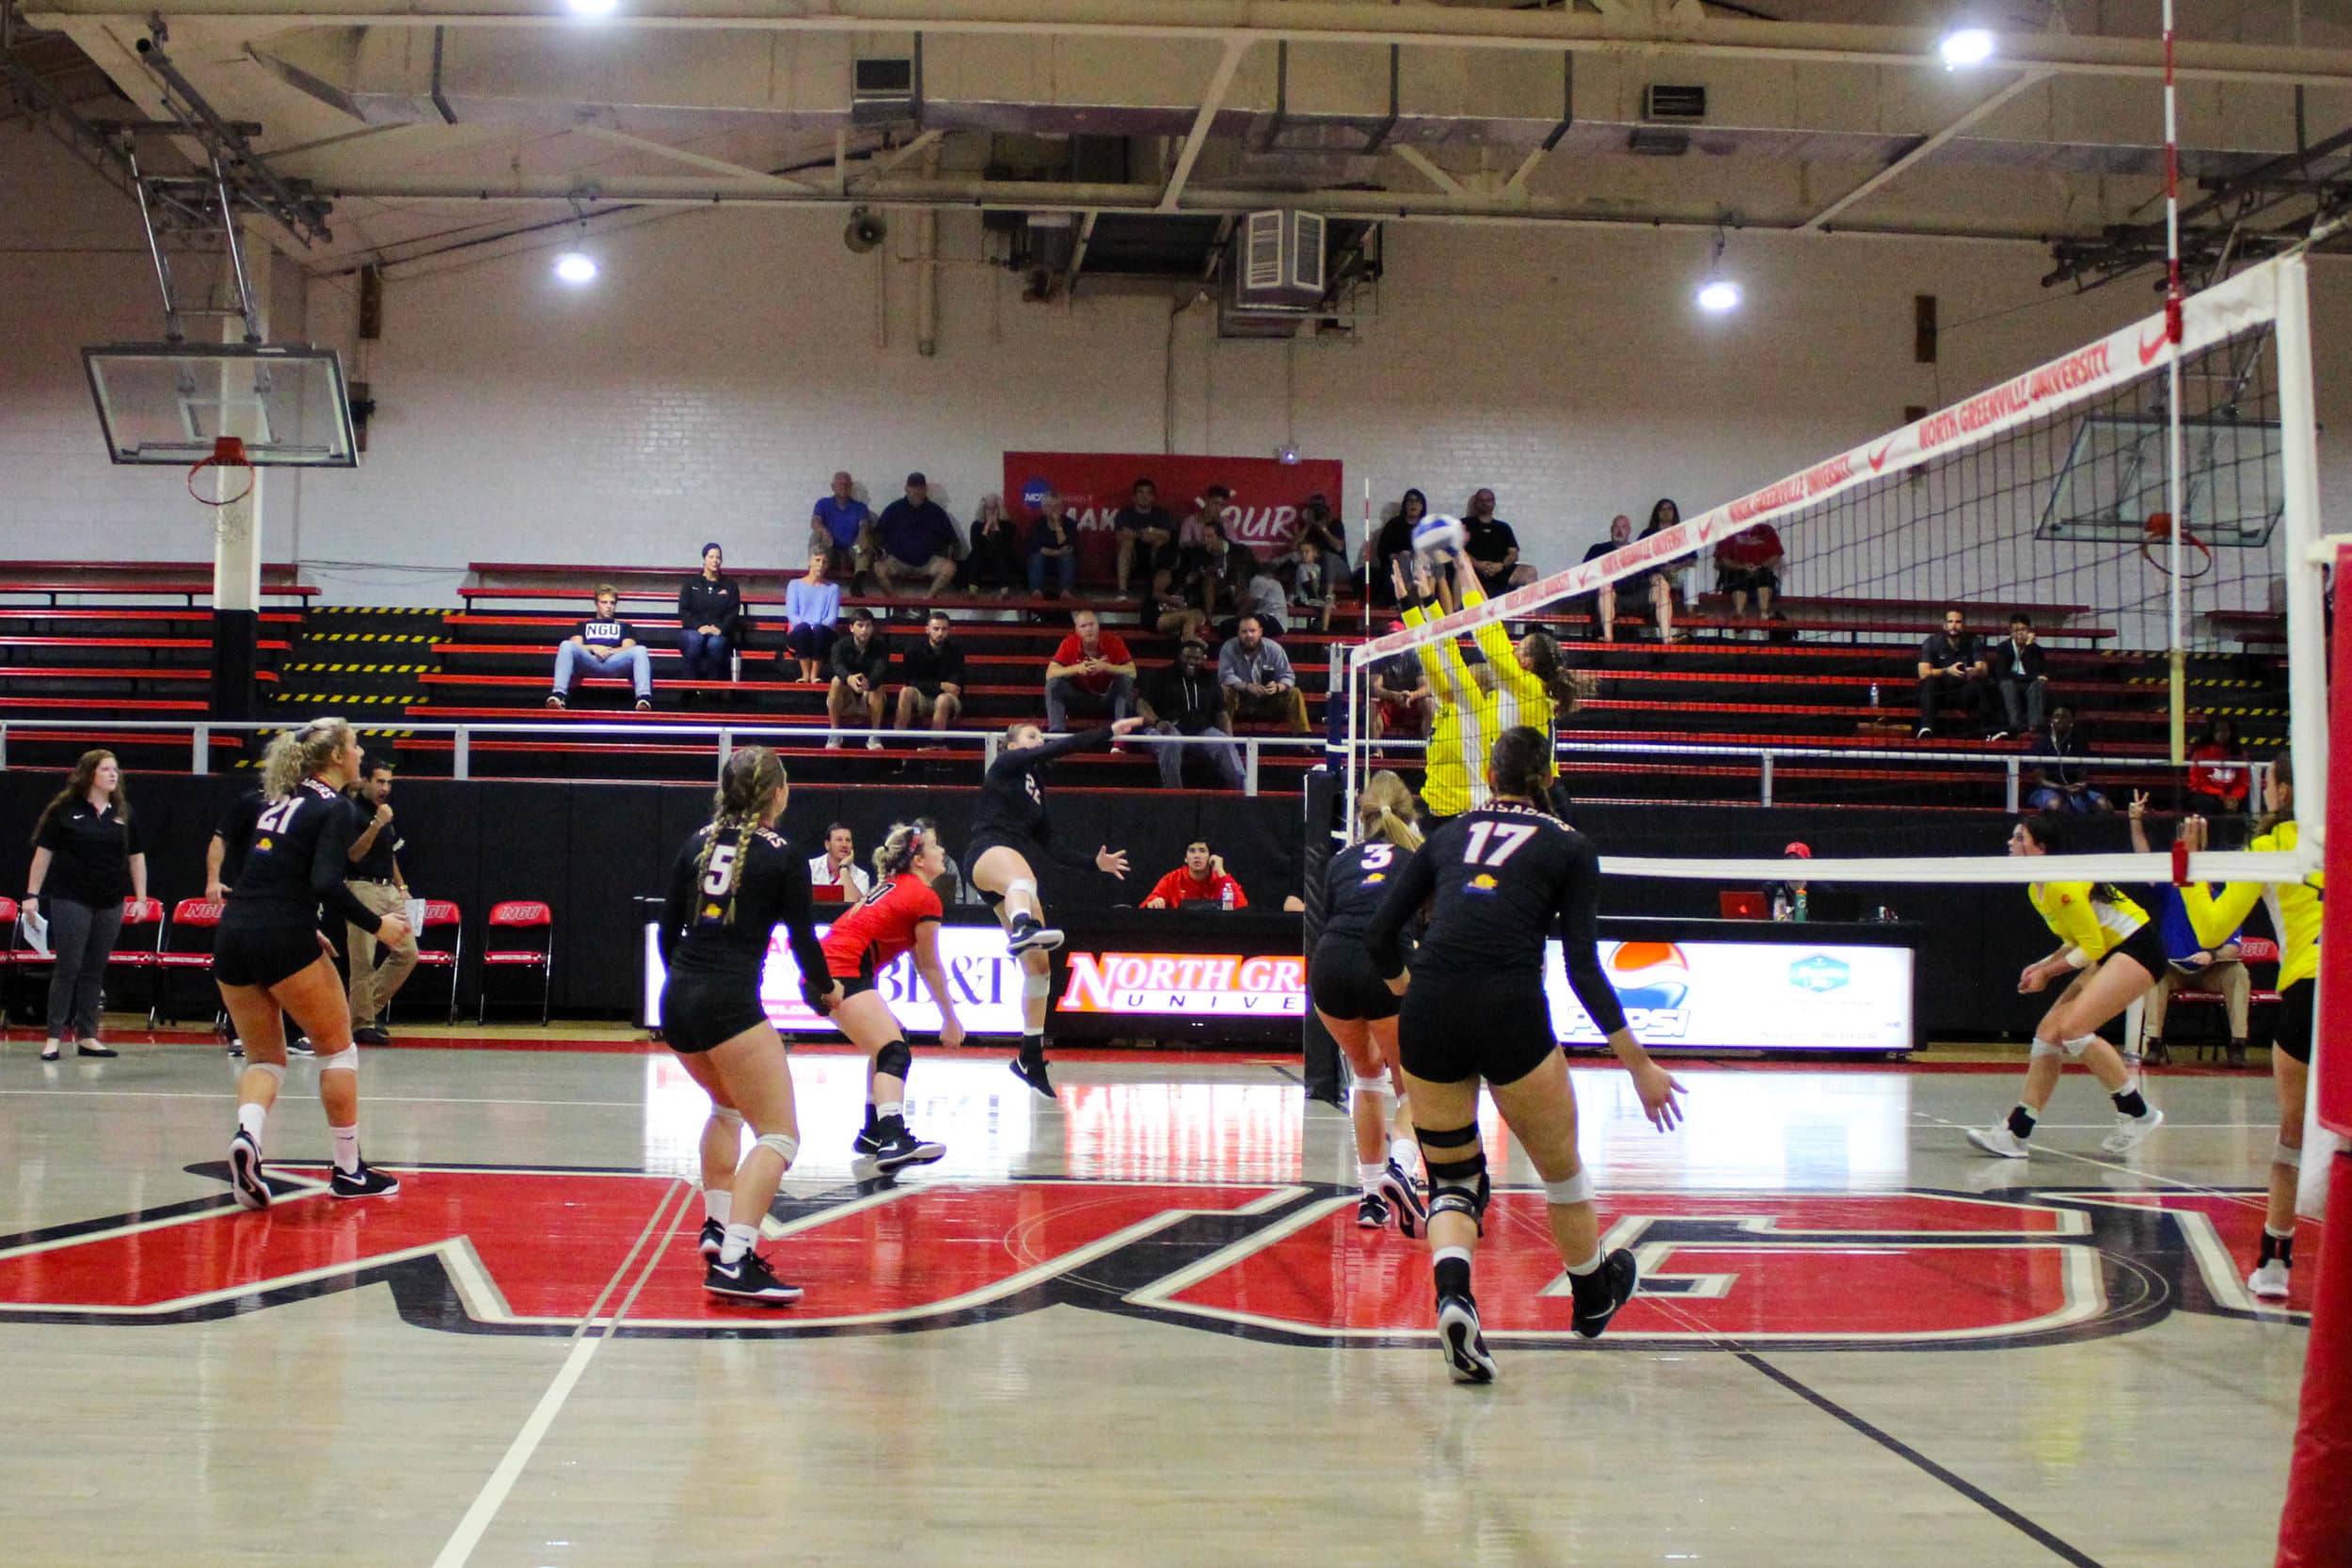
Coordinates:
x,y
2176,650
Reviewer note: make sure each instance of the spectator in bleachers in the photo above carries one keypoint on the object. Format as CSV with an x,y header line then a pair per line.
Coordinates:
x,y
1214,565
915,541
841,526
1394,538
1257,680
2017,670
837,867
1663,584
996,558
1749,563
2217,773
812,605
1201,880
1402,701
1187,699
1316,525
604,645
1259,594
861,664
1951,671
1193,555
933,673
1605,597
87,857
1091,669
1143,525
1312,585
1492,546
1053,548
709,608
2063,784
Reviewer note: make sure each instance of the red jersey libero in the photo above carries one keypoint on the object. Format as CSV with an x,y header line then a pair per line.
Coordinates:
x,y
870,938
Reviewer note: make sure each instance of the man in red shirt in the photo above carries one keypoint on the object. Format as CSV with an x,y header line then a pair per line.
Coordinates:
x,y
1201,879
1749,562
1092,669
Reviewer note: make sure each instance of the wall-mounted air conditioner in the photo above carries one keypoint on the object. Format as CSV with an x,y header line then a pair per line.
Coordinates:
x,y
1277,262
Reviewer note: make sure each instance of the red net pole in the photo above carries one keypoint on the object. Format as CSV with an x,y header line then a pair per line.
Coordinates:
x,y
2315,1531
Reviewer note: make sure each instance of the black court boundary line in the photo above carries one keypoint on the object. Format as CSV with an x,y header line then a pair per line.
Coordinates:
x,y
1910,1456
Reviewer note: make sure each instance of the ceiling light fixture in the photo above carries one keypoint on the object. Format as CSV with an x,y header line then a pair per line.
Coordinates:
x,y
1717,292
1965,47
576,266
593,7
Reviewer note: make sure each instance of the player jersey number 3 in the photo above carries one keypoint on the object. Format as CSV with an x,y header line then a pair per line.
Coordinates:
x,y
1505,837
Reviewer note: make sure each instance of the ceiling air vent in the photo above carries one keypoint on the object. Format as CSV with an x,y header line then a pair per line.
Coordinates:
x,y
1673,104
1658,144
882,90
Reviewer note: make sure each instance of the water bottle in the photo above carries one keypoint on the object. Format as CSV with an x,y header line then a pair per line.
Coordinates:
x,y
1874,694
1801,914
1225,894
1780,905
734,665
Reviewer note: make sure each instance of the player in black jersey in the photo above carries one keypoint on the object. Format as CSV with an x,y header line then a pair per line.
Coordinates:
x,y
269,955
733,883
1009,836
1355,1003
1475,1009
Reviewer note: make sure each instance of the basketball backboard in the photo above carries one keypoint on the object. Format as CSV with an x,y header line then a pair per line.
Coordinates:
x,y
167,403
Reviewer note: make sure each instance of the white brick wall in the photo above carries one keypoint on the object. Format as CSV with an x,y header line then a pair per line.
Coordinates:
x,y
727,362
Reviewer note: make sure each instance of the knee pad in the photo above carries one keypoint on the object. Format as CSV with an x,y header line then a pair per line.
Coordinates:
x,y
1377,1083
277,1071
1575,1189
785,1145
2080,1043
1036,984
346,1060
728,1115
2047,1048
1020,885
893,1060
1458,1172
2281,1155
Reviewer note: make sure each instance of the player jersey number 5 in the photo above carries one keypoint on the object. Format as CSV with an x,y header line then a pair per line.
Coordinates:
x,y
721,864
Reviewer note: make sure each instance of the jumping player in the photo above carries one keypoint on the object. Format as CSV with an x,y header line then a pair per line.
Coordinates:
x,y
2115,953
2295,914
1356,1005
734,883
268,955
900,915
1475,1010
1010,835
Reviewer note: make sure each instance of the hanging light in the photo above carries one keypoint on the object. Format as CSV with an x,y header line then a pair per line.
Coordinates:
x,y
576,267
1964,47
1717,292
593,7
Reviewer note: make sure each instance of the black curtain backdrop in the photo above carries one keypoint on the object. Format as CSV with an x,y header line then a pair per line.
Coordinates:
x,y
588,848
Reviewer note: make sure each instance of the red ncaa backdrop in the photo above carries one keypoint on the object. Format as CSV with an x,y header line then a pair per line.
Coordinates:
x,y
1263,514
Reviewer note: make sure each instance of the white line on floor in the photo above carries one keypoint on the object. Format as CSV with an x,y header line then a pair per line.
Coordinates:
x,y
373,1099
468,1533
2112,1164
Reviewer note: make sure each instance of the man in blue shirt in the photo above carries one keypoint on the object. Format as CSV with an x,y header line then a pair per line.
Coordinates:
x,y
2189,964
839,526
915,541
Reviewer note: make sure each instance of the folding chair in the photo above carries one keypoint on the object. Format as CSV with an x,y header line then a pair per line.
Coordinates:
x,y
7,961
140,945
528,925
187,949
439,946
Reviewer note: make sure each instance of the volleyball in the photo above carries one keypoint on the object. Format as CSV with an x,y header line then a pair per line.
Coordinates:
x,y
1437,535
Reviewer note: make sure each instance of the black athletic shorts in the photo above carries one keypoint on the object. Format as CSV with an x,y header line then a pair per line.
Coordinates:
x,y
1344,984
263,957
2295,1005
978,847
1494,1025
852,985
699,1012
2145,947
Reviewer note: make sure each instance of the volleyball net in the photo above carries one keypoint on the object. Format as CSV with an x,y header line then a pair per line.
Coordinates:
x,y
2158,593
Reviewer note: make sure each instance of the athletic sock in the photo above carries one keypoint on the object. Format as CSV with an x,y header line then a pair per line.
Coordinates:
x,y
2020,1120
1369,1175
346,1150
2277,1245
889,1110
2129,1102
1402,1151
1586,1283
739,1241
889,1127
1452,1268
250,1118
717,1203
1032,1049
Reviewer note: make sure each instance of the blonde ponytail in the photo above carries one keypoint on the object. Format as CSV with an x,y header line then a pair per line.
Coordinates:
x,y
1382,810
294,755
906,841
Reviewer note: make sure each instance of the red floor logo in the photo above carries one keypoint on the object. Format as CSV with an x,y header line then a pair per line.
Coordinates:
x,y
500,1251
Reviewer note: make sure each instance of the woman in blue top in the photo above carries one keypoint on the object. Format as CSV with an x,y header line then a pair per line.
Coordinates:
x,y
811,605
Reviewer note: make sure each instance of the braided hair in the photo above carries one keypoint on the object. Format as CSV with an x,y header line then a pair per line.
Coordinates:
x,y
751,777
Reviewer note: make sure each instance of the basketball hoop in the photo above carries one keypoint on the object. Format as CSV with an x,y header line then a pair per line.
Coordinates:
x,y
2158,535
228,452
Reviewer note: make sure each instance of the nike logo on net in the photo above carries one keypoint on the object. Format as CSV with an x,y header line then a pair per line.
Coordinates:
x,y
2150,349
1878,458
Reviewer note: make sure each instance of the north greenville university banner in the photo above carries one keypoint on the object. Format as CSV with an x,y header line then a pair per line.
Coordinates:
x,y
1263,515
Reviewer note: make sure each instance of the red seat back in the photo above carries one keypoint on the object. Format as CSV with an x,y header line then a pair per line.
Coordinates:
x,y
521,912
440,911
2257,950
196,912
142,911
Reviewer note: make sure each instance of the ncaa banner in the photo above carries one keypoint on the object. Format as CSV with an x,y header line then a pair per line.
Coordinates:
x,y
1263,515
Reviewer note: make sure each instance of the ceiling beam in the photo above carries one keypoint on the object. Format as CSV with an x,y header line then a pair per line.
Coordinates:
x,y
1204,119
885,163
1426,167
1925,147
1299,21
742,172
